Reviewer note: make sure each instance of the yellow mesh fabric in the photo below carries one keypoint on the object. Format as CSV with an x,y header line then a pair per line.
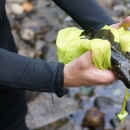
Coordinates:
x,y
71,45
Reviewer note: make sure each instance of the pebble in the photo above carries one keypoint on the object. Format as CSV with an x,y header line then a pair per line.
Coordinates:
x,y
39,45
120,9
94,119
17,9
51,35
16,1
103,103
27,6
27,34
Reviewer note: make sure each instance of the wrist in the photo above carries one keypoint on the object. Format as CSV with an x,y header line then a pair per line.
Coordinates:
x,y
66,76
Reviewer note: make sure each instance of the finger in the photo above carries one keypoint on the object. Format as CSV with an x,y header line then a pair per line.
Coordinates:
x,y
106,76
125,23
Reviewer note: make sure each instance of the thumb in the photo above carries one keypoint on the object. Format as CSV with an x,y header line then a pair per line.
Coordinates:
x,y
125,23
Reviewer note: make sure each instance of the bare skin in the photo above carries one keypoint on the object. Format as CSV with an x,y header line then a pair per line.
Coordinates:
x,y
82,72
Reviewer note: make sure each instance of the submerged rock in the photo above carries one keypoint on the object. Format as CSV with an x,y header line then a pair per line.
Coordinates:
x,y
93,119
103,103
42,111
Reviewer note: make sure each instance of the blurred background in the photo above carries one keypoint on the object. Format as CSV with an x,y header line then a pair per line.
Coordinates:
x,y
35,24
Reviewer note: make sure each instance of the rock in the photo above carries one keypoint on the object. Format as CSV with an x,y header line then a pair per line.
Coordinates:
x,y
27,6
124,126
31,25
31,95
114,122
103,103
42,111
93,119
16,38
11,18
27,34
51,35
17,1
121,9
116,19
51,53
26,52
68,19
17,9
106,3
39,45
128,106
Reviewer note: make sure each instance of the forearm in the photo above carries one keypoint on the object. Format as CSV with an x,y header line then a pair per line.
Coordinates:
x,y
87,13
24,73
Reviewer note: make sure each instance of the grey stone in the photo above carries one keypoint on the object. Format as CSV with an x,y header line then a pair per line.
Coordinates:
x,y
17,1
121,9
68,19
27,34
31,25
124,126
42,111
114,122
51,53
27,52
17,9
16,38
106,3
51,35
39,45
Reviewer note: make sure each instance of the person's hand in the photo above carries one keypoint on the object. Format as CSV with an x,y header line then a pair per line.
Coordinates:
x,y
82,72
125,23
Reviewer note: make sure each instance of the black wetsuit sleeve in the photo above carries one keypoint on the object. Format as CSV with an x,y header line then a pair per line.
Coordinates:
x,y
20,72
87,13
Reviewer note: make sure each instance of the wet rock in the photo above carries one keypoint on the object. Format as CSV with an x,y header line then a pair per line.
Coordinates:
x,y
50,15
17,9
94,119
31,25
16,38
51,53
27,52
121,9
39,45
124,126
31,95
68,19
103,103
27,34
17,1
106,3
128,106
11,18
51,35
27,6
42,111
114,122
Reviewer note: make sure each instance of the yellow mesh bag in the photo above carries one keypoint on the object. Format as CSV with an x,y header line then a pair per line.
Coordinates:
x,y
71,45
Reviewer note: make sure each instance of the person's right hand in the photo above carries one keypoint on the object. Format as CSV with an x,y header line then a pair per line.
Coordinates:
x,y
82,72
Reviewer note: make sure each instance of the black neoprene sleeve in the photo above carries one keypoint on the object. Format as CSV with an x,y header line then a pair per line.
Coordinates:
x,y
87,13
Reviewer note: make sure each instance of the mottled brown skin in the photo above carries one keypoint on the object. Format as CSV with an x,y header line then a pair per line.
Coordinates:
x,y
120,61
